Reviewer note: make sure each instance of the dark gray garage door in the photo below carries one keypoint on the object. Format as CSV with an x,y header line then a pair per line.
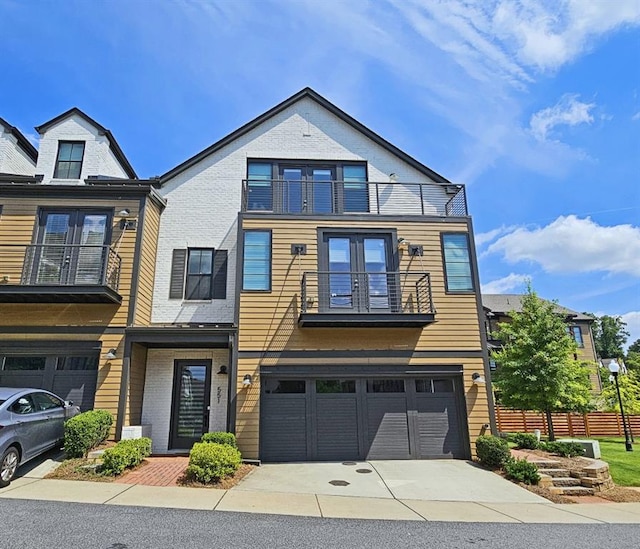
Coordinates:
x,y
70,373
347,419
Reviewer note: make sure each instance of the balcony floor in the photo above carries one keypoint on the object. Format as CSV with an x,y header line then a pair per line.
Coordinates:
x,y
13,293
365,320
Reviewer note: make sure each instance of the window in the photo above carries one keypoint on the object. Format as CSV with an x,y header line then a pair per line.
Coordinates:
x,y
356,193
284,386
259,187
385,386
434,386
24,363
69,163
24,405
44,401
324,386
256,274
74,363
576,334
457,262
198,274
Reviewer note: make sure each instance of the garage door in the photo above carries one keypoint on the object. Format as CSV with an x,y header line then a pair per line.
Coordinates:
x,y
71,376
349,419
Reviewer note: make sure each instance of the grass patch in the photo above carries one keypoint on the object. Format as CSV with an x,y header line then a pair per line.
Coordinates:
x,y
624,466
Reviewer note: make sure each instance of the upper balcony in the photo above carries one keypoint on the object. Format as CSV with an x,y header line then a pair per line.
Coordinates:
x,y
309,197
46,273
366,299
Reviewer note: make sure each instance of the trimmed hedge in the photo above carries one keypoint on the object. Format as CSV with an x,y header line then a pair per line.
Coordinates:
x,y
522,470
85,431
220,437
525,441
210,461
124,455
492,452
564,449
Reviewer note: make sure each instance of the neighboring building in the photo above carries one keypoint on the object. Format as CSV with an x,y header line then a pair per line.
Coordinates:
x,y
498,307
77,259
17,155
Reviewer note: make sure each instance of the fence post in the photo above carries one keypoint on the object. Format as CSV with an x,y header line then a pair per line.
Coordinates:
x,y
570,423
586,425
524,421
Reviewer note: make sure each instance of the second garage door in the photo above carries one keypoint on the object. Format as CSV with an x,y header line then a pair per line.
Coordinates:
x,y
361,418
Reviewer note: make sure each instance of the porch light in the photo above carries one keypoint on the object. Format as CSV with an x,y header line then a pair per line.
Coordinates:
x,y
111,354
247,381
124,212
477,379
223,370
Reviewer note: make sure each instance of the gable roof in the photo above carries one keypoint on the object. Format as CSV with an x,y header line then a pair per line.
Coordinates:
x,y
23,142
315,96
505,303
113,144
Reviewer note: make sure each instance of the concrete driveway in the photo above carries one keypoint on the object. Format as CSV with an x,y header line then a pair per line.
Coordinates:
x,y
435,480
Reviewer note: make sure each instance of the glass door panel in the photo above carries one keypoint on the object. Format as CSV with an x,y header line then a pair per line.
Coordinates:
x,y
292,192
322,190
191,402
375,266
90,235
52,257
340,291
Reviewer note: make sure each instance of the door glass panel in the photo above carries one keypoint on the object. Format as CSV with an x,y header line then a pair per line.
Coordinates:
x,y
375,265
191,401
284,386
322,190
52,256
292,195
424,386
340,262
385,386
260,188
335,386
24,363
443,386
356,194
91,251
71,363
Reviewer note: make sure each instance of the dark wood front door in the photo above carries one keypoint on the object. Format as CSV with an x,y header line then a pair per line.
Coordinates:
x,y
190,403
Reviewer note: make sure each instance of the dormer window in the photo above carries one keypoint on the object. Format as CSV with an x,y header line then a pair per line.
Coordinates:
x,y
69,162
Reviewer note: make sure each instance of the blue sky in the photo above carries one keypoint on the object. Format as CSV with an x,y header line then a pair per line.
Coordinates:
x,y
534,105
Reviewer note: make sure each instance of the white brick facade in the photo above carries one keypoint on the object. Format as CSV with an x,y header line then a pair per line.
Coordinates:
x,y
13,159
158,388
98,158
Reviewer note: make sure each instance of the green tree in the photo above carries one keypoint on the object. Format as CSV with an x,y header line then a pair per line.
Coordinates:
x,y
629,392
537,370
632,361
610,335
634,347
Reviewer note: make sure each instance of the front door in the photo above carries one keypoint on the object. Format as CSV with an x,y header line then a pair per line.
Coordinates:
x,y
359,277
190,403
307,189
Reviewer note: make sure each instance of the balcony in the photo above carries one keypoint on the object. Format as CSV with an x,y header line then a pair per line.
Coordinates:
x,y
277,196
366,299
45,273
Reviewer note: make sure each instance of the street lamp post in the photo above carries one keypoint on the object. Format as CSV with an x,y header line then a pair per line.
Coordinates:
x,y
614,368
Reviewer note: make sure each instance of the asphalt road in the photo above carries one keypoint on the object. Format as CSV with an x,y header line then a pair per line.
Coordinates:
x,y
37,524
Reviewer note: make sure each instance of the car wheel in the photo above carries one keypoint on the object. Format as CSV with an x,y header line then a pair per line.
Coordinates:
x,y
8,466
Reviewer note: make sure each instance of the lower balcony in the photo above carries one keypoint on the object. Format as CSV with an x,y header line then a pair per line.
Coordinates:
x,y
366,299
47,273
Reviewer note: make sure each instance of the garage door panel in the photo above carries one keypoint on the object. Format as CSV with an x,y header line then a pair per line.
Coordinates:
x,y
438,427
337,428
284,428
387,427
80,388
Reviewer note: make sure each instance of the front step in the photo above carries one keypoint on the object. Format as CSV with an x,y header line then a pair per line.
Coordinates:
x,y
571,490
566,481
548,464
555,473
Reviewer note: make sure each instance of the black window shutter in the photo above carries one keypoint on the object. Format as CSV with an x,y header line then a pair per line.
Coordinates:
x,y
220,274
178,264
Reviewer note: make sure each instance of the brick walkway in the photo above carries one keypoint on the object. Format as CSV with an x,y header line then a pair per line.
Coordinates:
x,y
158,471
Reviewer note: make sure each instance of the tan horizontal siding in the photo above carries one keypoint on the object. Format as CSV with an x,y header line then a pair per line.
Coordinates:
x,y
146,271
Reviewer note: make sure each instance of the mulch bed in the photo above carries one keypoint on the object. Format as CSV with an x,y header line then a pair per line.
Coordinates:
x,y
222,484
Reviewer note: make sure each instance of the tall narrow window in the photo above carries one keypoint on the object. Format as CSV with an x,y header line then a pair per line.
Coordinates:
x,y
457,263
356,193
576,334
69,162
256,274
259,187
199,274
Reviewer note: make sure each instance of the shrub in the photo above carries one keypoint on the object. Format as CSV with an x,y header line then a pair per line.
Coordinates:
x,y
492,451
124,455
522,470
220,437
85,431
564,449
210,461
525,441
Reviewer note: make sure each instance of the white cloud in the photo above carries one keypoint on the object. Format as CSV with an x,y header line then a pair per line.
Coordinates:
x,y
570,245
636,116
489,236
632,318
568,111
505,284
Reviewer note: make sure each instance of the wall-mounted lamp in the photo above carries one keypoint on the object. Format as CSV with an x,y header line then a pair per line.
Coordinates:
x,y
223,370
247,381
477,379
126,223
125,212
403,243
393,177
111,354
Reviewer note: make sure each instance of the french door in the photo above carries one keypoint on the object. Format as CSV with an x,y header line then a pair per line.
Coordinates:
x,y
359,275
70,247
307,189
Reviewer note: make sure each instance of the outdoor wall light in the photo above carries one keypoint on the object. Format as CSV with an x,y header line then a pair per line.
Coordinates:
x,y
111,354
223,370
477,378
247,381
393,177
124,212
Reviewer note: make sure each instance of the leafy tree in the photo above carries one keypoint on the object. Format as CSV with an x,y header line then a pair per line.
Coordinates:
x,y
537,369
634,347
629,392
632,362
610,336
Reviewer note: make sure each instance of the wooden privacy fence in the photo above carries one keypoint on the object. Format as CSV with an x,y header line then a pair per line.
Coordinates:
x,y
606,424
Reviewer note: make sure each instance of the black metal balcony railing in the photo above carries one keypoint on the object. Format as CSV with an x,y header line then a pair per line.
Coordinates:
x,y
347,197
362,293
66,265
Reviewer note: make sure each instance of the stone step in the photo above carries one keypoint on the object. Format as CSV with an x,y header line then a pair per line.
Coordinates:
x,y
571,490
563,473
566,481
547,464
